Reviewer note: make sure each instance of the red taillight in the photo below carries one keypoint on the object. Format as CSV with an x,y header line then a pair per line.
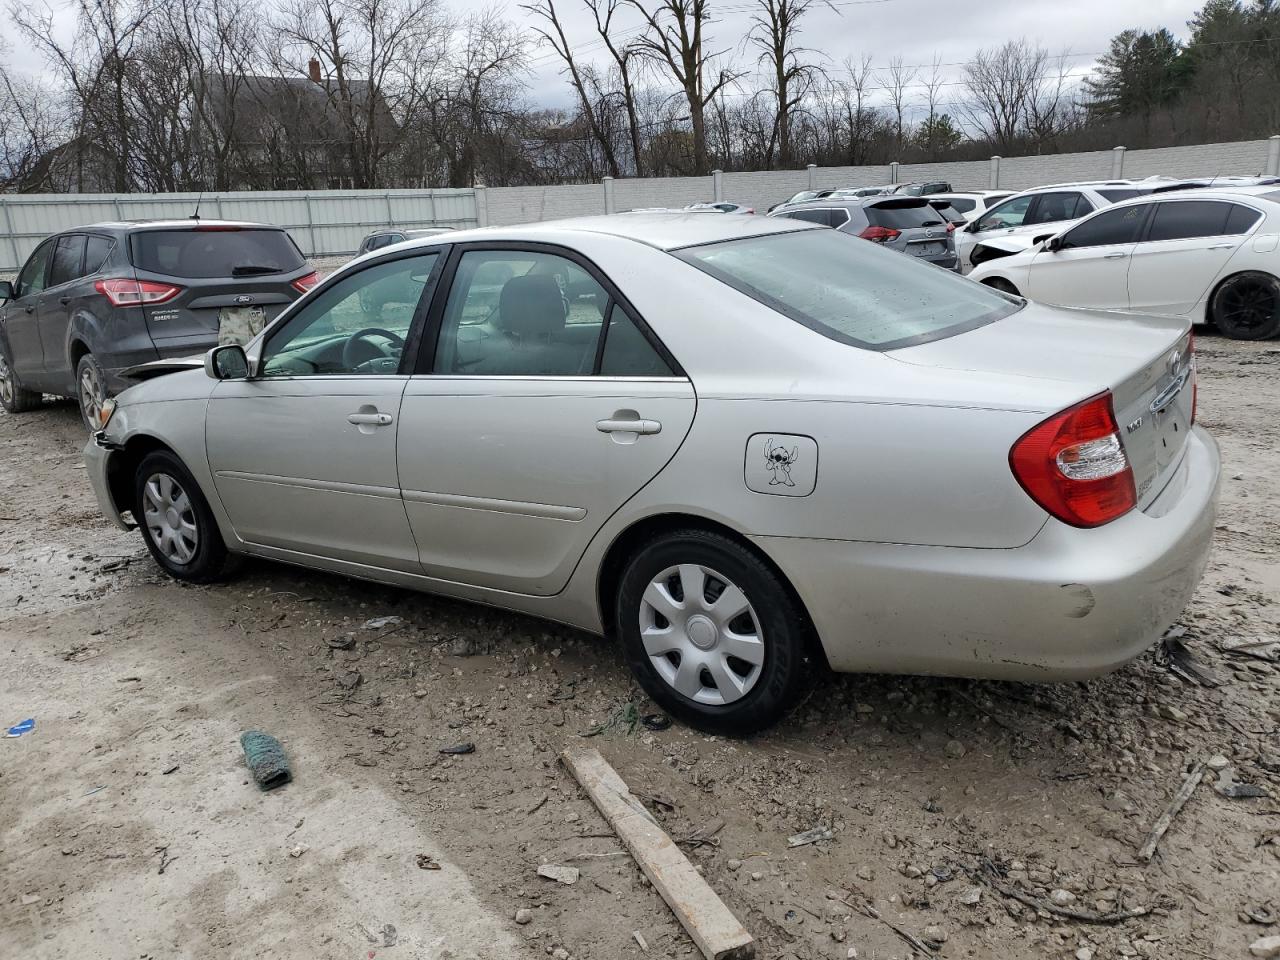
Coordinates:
x,y
1074,465
880,234
951,228
303,284
136,293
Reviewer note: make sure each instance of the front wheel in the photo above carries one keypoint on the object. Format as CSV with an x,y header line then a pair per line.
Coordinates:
x,y
711,632
1247,307
179,528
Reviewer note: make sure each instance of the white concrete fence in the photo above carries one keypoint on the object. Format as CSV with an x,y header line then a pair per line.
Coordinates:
x,y
332,222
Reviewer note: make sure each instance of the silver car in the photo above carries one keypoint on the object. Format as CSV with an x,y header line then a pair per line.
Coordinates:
x,y
910,225
743,446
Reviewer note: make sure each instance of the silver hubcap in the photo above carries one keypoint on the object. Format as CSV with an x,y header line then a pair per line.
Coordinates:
x,y
701,634
169,518
92,394
6,380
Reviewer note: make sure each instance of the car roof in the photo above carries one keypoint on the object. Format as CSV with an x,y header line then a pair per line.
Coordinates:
x,y
664,230
184,224
1269,192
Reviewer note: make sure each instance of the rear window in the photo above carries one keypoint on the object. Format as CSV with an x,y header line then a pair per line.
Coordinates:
x,y
203,254
900,216
850,290
963,204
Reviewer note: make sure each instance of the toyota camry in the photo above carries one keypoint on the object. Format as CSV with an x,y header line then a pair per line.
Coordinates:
x,y
743,447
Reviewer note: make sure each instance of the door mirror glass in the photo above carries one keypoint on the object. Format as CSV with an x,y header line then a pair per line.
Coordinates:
x,y
6,290
227,362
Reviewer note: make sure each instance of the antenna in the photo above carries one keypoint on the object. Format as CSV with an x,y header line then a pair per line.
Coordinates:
x,y
196,213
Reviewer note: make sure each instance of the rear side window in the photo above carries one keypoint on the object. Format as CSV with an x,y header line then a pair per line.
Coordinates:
x,y
1109,227
214,252
809,216
903,217
1188,219
963,204
1241,219
627,353
849,290
95,254
67,257
1055,207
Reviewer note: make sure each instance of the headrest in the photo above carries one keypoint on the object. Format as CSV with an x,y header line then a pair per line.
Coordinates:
x,y
531,306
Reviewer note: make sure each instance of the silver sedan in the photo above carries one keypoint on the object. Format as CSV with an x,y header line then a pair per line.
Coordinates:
x,y
743,446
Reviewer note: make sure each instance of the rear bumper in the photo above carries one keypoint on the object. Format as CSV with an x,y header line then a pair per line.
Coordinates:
x,y
1070,604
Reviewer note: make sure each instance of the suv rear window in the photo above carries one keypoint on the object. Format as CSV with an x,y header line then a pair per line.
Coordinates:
x,y
903,216
214,252
849,290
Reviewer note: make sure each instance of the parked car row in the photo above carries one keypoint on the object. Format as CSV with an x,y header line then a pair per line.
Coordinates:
x,y
741,445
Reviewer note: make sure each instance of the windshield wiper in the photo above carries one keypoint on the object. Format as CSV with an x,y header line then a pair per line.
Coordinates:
x,y
252,270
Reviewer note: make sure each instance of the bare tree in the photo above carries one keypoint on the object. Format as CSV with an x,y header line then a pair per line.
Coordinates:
x,y
775,31
933,95
896,80
1001,83
675,39
32,128
624,57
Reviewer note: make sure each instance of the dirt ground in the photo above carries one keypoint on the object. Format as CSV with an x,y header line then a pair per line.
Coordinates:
x,y
928,785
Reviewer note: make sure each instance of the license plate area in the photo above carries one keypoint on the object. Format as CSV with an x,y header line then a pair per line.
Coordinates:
x,y
240,324
928,248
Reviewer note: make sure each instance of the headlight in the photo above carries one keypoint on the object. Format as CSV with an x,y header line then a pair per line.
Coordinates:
x,y
105,412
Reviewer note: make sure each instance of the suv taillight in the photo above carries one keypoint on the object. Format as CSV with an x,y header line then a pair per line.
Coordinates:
x,y
1074,465
136,293
880,234
303,284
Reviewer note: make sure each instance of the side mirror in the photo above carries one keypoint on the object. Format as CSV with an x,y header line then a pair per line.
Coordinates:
x,y
6,290
227,362
1052,244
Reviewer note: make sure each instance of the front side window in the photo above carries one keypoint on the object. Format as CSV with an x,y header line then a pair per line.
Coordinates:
x,y
1188,219
520,313
67,257
32,278
214,251
1011,213
1120,225
358,326
849,290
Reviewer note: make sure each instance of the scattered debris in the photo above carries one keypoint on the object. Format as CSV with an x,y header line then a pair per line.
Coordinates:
x,y
1217,762
344,642
565,875
389,935
377,623
991,877
716,931
173,769
865,906
18,729
538,805
810,836
706,834
426,862
1228,786
1189,782
656,722
639,938
165,859
1265,947
265,759
299,850
1261,914
1182,663
523,916
459,749
955,749
1257,648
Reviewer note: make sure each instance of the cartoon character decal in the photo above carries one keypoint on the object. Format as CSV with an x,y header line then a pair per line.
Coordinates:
x,y
778,460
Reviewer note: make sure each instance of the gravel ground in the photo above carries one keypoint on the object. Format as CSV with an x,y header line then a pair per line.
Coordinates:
x,y
944,797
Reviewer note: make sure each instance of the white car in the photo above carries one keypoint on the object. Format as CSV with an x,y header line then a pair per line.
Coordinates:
x,y
973,203
1042,210
740,445
1210,255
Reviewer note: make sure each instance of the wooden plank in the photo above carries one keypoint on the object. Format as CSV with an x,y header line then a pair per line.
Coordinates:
x,y
1179,799
716,931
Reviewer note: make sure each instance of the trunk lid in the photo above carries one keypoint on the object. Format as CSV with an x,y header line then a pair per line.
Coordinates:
x,y
1145,362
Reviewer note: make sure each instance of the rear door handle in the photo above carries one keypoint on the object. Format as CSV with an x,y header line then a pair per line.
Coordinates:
x,y
370,419
64,300
1115,256
30,308
1222,246
629,426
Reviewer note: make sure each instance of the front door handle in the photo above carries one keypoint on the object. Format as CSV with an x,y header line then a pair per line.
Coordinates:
x,y
1115,256
370,419
30,308
64,300
629,426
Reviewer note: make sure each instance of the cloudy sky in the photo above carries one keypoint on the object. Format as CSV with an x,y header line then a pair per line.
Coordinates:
x,y
915,29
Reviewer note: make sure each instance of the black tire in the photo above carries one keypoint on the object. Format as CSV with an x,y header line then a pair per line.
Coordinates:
x,y
1247,307
208,558
1003,285
775,618
91,389
14,397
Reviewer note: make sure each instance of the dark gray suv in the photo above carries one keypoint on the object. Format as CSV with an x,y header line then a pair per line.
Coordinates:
x,y
93,301
909,225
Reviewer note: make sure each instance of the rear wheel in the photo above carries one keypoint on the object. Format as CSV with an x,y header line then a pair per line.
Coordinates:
x,y
91,390
13,396
176,522
1003,285
711,632
1247,307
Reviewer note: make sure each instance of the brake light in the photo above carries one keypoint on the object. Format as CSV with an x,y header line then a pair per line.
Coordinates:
x,y
136,293
1074,465
880,234
303,284
951,227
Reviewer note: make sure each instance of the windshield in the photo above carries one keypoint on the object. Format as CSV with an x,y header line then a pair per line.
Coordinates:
x,y
850,290
198,253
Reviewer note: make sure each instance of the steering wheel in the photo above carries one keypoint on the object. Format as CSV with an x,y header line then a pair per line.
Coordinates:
x,y
380,362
